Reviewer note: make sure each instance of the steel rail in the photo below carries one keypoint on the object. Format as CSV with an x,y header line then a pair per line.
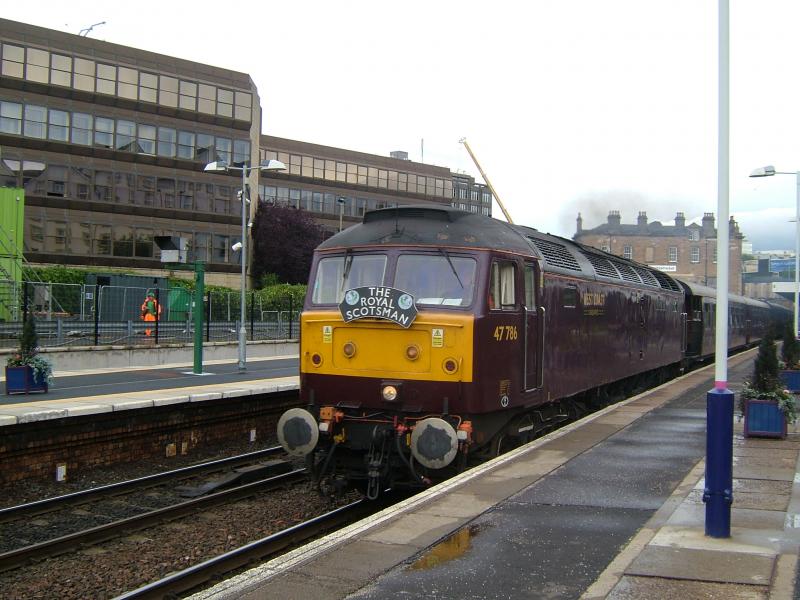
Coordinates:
x,y
200,574
19,557
69,500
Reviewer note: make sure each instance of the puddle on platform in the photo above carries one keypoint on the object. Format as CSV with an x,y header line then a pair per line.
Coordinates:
x,y
449,549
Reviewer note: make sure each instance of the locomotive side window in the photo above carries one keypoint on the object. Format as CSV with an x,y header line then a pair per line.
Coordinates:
x,y
437,280
570,296
530,301
337,274
501,286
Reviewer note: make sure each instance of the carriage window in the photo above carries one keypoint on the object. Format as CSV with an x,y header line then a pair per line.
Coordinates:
x,y
436,279
335,275
570,297
501,286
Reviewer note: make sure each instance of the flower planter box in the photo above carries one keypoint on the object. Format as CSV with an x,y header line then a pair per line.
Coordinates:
x,y
791,379
764,418
20,380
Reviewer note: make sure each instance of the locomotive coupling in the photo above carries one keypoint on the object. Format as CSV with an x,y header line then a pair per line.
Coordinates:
x,y
298,432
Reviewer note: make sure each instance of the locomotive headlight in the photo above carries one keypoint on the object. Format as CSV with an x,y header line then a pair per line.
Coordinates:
x,y
349,349
450,366
389,393
316,359
412,352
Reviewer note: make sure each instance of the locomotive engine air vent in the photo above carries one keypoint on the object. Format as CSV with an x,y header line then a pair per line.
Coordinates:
x,y
626,271
602,266
556,255
666,281
647,276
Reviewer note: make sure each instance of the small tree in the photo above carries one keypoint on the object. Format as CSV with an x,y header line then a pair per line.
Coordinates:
x,y
29,340
284,239
765,372
790,351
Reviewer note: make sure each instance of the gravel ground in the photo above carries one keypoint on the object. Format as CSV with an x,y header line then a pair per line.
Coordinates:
x,y
110,569
30,490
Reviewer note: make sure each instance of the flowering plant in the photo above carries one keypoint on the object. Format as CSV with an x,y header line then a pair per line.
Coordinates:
x,y
28,354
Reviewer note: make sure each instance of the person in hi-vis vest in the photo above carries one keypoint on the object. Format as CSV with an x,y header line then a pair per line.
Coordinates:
x,y
150,308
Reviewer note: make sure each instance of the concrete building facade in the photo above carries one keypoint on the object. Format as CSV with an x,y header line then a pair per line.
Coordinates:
x,y
688,252
109,143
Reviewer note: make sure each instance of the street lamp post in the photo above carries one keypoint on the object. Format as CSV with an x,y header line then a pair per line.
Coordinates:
x,y
340,201
223,167
768,172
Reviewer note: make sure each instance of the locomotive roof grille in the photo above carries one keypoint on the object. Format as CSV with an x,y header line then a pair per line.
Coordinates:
x,y
602,266
626,271
665,281
647,277
556,254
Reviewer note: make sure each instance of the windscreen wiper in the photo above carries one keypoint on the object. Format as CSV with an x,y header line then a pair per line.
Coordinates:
x,y
348,262
452,267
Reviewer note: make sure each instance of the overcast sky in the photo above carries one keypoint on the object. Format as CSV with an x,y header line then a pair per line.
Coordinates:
x,y
570,105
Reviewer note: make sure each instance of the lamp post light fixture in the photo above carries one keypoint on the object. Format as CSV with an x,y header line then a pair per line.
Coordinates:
x,y
223,167
769,171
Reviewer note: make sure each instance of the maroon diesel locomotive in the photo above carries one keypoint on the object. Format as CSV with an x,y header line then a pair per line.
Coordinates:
x,y
430,335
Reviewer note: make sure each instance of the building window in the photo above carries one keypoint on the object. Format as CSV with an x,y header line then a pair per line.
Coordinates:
x,y
60,70
167,141
13,60
106,79
126,136
186,145
605,248
82,126
37,65
672,254
695,257
694,235
241,151
10,118
147,139
715,253
627,252
224,103
104,132
35,121
58,125
223,149
148,87
128,83
83,78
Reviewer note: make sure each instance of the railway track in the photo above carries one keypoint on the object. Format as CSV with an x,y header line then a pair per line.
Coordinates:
x,y
38,507
102,533
201,574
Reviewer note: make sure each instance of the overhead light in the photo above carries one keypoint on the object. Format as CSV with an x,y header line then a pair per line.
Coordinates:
x,y
272,165
767,171
218,166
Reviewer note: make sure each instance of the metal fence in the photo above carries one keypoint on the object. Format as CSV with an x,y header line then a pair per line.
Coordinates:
x,y
92,315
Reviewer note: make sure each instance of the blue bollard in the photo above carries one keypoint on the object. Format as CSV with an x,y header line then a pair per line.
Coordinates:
x,y
718,493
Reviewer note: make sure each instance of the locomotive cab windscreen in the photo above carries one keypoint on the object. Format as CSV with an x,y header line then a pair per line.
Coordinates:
x,y
440,279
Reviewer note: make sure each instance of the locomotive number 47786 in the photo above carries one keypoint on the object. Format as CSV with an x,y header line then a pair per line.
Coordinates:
x,y
505,333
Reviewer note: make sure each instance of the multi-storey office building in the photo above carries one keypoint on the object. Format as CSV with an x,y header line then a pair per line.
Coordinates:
x,y
332,182
685,251
110,142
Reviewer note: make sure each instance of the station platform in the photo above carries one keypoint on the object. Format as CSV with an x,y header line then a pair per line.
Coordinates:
x,y
607,507
84,392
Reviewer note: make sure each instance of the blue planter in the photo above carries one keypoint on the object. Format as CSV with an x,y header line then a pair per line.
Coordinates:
x,y
764,418
791,379
20,380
